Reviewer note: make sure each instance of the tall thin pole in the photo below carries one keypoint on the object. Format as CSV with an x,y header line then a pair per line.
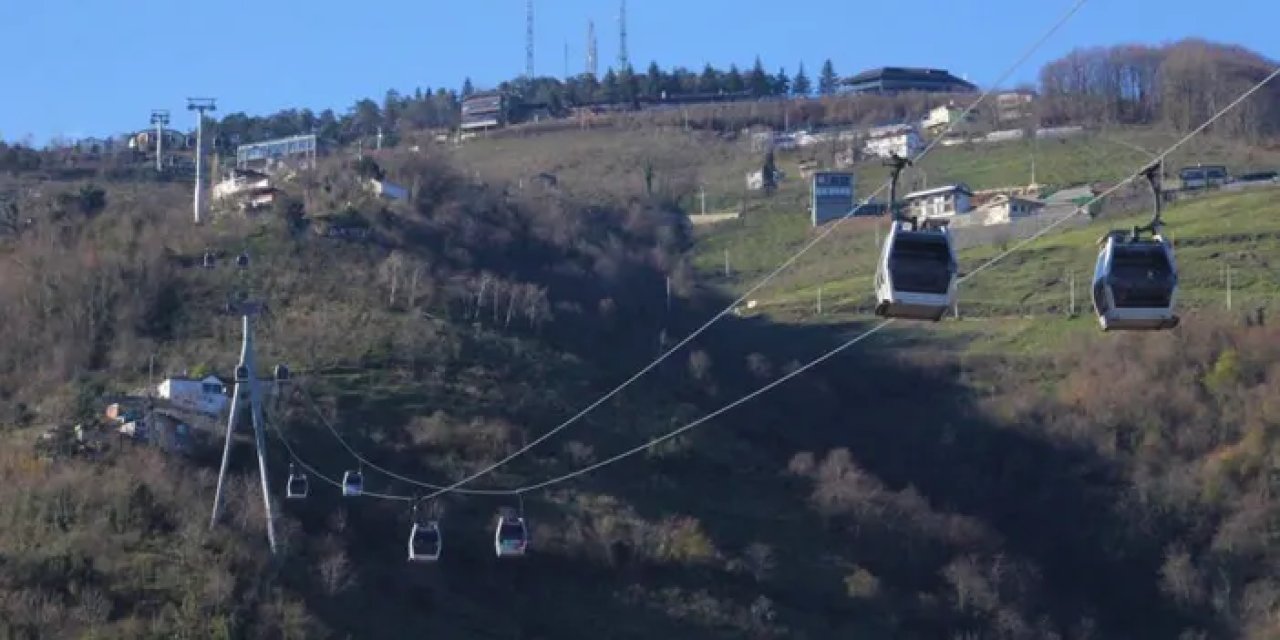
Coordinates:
x,y
668,294
702,192
1073,293
260,439
623,59
200,106
160,118
231,427
1228,287
819,299
726,263
528,40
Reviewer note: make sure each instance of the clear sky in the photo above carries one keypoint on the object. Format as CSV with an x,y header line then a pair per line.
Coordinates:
x,y
97,67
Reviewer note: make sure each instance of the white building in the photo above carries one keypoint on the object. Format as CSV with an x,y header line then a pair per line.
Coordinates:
x,y
247,188
946,115
939,202
1014,105
1005,208
906,144
755,179
207,396
388,189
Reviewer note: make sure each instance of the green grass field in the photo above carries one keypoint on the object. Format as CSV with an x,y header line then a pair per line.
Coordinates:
x,y
1020,304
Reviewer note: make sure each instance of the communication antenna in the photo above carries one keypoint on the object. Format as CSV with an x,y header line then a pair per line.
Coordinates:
x,y
593,64
622,37
528,40
200,106
160,120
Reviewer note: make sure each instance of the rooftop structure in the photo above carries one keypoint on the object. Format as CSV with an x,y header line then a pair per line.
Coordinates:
x,y
895,79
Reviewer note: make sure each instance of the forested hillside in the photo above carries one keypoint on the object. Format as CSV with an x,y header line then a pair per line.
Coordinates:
x,y
1117,489
920,485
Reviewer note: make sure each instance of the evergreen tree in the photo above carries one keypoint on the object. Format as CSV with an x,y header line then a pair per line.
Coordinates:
x,y
800,86
629,86
467,89
609,87
828,80
781,83
653,81
758,81
733,82
709,81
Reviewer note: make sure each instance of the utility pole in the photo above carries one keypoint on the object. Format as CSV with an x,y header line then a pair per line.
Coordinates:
x,y
1072,280
1228,287
246,384
726,263
819,299
702,192
160,120
200,106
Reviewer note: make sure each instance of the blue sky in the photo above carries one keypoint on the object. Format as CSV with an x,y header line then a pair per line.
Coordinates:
x,y
95,67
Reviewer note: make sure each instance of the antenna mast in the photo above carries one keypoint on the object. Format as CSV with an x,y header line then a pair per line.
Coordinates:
x,y
622,37
593,66
528,40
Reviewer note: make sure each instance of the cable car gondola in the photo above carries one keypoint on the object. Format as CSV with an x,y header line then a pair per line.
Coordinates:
x,y
352,484
425,542
510,537
1135,279
296,488
916,274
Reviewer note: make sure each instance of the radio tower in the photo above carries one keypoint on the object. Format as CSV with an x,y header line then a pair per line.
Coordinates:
x,y
528,40
593,67
622,37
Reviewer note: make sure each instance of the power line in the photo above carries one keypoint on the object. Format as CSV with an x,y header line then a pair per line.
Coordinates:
x,y
365,461
293,455
1076,5
864,335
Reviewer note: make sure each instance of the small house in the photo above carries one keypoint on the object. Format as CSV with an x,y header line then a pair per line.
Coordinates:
x,y
939,202
207,395
1005,208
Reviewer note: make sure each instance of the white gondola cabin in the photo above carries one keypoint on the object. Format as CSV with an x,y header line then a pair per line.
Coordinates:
x,y
352,484
916,275
297,487
425,542
510,537
1135,282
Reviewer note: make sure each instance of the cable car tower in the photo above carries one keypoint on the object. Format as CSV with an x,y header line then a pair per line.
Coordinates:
x,y
246,384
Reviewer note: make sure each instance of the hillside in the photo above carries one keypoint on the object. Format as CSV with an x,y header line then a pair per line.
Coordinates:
x,y
1030,497
1211,233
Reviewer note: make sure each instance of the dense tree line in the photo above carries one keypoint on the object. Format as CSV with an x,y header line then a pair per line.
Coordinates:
x,y
425,109
1179,85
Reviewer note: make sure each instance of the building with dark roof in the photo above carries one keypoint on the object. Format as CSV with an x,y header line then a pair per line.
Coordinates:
x,y
895,79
